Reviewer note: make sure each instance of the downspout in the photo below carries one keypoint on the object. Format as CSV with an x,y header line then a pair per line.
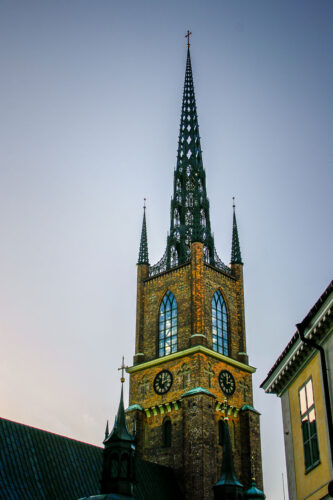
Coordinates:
x,y
300,329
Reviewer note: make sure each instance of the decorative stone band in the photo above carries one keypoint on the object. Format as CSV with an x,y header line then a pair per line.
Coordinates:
x,y
162,408
226,409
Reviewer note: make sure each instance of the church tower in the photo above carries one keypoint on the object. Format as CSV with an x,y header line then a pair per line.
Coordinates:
x,y
190,369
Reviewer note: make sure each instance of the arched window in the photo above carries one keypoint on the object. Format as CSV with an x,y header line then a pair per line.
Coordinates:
x,y
219,324
167,433
168,325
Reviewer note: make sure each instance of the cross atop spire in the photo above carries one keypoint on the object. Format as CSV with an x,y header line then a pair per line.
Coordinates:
x,y
122,368
188,34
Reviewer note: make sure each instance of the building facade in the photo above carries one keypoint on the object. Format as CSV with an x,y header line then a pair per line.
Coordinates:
x,y
190,368
303,378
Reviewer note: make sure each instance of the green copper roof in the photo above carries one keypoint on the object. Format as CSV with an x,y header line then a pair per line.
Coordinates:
x,y
143,251
198,390
254,493
133,407
236,257
250,408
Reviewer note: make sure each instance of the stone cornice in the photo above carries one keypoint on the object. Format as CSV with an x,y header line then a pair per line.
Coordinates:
x,y
186,352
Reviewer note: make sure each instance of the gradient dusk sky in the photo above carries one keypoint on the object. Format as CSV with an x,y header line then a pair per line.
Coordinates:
x,y
90,97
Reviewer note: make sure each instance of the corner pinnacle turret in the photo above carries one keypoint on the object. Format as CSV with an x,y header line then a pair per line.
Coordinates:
x,y
143,251
236,257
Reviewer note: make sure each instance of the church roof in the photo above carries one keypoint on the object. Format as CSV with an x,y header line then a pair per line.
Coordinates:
x,y
40,465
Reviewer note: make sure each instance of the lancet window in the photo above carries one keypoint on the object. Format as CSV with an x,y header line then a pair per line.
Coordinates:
x,y
219,324
167,325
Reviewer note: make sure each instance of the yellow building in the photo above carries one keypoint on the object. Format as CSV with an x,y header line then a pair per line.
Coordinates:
x,y
302,377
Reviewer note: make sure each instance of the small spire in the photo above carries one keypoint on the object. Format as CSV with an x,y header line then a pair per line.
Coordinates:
x,y
120,431
236,257
107,429
143,251
119,454
228,484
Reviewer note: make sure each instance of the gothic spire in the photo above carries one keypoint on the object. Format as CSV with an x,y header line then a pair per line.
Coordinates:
x,y
228,485
190,219
236,257
119,454
143,251
120,431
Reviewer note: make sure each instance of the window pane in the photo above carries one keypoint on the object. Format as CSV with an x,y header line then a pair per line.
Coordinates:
x,y
315,449
305,428
302,400
309,393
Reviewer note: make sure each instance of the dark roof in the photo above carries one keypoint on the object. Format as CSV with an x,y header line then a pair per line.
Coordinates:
x,y
40,465
305,322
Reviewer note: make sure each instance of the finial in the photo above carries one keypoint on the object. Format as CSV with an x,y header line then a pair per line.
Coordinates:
x,y
144,204
188,34
122,368
233,203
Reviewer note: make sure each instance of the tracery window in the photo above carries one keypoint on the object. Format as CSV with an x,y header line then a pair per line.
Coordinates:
x,y
219,324
167,325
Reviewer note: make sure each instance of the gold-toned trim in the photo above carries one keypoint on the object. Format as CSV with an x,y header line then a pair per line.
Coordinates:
x,y
191,350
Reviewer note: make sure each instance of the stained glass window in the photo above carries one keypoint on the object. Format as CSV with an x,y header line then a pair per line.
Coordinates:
x,y
219,324
309,427
168,325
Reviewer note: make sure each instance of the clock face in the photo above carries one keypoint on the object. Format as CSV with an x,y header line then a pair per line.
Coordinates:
x,y
162,382
227,382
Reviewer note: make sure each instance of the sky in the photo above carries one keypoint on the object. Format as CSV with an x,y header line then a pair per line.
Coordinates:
x,y
90,99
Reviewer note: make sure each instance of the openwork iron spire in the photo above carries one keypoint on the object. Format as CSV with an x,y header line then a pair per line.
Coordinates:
x,y
189,206
236,257
143,251
190,221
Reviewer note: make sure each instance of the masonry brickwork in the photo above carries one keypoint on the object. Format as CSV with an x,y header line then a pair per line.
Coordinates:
x,y
195,452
